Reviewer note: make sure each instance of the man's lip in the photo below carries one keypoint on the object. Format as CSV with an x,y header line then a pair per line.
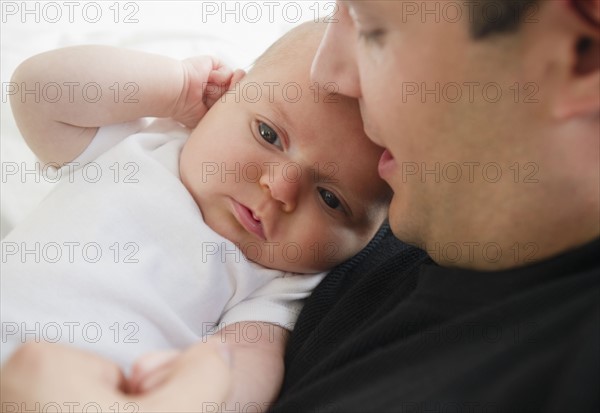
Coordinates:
x,y
245,217
387,164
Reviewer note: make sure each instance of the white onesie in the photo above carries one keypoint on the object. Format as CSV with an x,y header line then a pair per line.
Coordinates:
x,y
117,259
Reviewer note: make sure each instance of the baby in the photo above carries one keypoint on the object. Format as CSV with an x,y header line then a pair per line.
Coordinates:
x,y
159,238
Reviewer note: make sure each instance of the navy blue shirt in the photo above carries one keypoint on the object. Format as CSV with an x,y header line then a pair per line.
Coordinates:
x,y
391,331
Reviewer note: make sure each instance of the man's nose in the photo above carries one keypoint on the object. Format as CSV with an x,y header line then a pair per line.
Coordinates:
x,y
283,185
335,61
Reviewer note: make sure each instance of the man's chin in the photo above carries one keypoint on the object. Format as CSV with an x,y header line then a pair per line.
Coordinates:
x,y
400,224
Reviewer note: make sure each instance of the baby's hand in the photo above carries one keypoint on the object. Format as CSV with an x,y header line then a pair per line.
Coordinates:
x,y
206,79
151,370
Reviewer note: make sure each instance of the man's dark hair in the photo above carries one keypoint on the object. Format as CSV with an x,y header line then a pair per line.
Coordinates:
x,y
499,16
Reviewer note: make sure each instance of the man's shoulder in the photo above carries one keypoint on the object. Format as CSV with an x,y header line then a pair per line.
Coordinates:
x,y
385,264
426,337
353,296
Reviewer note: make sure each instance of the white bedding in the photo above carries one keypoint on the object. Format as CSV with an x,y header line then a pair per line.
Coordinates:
x,y
236,31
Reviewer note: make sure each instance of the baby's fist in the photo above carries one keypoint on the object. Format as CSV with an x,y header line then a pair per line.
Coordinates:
x,y
205,80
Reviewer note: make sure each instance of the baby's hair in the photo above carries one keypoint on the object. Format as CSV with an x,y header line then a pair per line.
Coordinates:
x,y
307,34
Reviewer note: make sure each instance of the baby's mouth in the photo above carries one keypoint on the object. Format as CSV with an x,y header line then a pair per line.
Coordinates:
x,y
248,219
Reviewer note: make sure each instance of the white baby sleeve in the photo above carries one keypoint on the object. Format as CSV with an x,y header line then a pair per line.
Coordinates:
x,y
278,302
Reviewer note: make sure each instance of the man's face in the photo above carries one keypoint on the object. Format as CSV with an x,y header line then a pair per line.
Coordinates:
x,y
284,170
429,94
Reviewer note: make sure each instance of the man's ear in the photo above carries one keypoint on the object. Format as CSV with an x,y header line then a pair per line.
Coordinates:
x,y
581,93
589,10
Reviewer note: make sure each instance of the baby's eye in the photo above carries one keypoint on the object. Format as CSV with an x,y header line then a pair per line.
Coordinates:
x,y
330,199
268,134
373,36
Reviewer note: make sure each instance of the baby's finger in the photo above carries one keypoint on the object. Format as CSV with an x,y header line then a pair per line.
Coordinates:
x,y
215,90
151,380
218,64
200,377
147,366
221,77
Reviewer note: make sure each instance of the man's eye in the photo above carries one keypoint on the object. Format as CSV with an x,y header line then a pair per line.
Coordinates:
x,y
330,199
268,134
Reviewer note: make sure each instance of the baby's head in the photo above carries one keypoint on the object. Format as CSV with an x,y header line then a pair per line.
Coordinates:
x,y
281,166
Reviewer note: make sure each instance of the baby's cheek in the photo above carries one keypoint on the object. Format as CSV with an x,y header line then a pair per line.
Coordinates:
x,y
327,251
333,253
186,169
345,244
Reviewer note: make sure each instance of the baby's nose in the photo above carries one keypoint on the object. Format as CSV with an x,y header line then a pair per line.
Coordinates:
x,y
283,185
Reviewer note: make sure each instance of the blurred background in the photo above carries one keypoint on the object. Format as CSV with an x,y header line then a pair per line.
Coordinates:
x,y
235,31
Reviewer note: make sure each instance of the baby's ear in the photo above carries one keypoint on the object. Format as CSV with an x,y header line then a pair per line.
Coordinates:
x,y
238,75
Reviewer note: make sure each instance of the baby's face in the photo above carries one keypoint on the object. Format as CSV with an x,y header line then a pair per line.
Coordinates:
x,y
283,169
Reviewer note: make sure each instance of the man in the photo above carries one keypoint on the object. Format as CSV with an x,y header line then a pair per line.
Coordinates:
x,y
491,122
492,126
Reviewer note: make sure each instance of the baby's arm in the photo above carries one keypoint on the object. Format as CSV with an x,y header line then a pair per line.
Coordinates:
x,y
256,350
92,86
